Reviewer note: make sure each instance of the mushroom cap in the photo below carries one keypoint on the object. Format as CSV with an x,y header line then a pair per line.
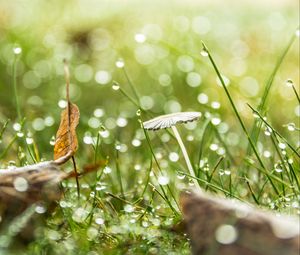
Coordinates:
x,y
168,120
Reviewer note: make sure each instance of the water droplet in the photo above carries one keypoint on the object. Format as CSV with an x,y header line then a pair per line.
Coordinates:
x,y
267,154
62,104
138,112
180,176
215,121
137,167
21,184
289,83
79,215
145,224
107,170
99,221
118,146
226,234
40,209
52,141
163,180
115,86
17,50
29,140
278,169
98,112
297,33
136,142
291,126
204,53
268,131
121,122
92,233
227,172
20,134
281,146
140,38
120,63
128,208
17,126
214,147
173,156
215,105
202,98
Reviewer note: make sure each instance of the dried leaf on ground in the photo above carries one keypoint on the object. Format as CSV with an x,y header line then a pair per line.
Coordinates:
x,y
66,139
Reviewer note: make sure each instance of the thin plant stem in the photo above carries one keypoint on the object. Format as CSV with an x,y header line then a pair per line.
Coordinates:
x,y
165,197
255,130
15,88
186,156
76,176
237,114
67,78
119,174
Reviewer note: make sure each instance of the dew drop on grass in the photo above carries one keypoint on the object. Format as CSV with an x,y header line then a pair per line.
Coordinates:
x,y
226,234
267,154
21,184
291,126
281,146
138,112
215,105
289,83
99,221
202,98
140,38
52,141
278,169
137,167
214,147
120,63
215,121
204,53
145,224
268,132
180,176
79,215
17,126
128,208
62,104
190,138
107,170
20,134
163,180
227,172
173,156
297,33
136,142
40,209
91,233
17,50
115,86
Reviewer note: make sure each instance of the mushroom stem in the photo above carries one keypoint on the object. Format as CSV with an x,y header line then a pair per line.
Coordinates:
x,y
186,156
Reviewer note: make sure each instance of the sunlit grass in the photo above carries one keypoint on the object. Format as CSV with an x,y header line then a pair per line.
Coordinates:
x,y
127,69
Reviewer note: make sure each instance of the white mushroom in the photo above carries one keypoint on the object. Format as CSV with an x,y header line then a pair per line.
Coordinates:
x,y
169,121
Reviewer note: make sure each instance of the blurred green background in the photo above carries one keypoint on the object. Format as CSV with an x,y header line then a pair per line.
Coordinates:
x,y
159,44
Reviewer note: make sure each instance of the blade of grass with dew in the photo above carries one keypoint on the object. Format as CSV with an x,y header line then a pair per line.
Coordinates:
x,y
156,161
255,130
237,113
273,130
119,174
213,186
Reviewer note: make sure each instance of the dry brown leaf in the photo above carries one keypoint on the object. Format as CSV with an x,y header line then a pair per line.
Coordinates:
x,y
66,139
